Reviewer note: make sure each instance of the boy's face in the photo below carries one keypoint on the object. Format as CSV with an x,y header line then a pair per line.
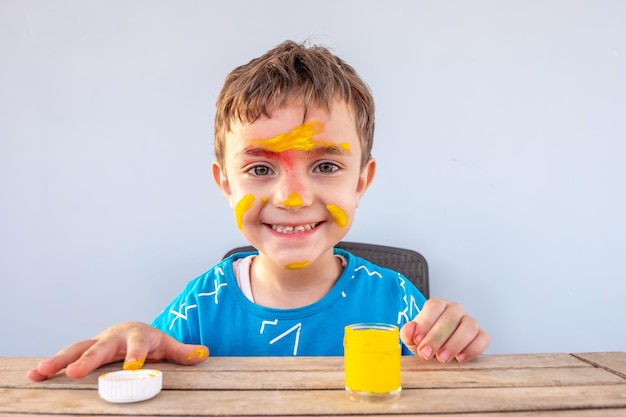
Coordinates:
x,y
295,186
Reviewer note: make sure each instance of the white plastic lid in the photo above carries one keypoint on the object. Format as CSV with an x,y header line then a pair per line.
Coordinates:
x,y
130,386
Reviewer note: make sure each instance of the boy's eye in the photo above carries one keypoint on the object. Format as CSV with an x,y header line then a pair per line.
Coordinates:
x,y
326,168
260,171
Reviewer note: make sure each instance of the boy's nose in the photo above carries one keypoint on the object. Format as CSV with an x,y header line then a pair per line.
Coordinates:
x,y
292,195
293,200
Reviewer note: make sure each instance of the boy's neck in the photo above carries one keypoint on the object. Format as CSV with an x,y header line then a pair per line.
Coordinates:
x,y
276,287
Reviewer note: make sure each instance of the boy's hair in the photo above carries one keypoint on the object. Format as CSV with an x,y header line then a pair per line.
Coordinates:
x,y
292,71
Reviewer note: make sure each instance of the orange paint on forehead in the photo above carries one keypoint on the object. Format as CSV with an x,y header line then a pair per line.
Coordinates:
x,y
299,139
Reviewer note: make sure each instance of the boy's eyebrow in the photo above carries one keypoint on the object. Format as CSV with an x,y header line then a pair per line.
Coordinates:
x,y
334,149
299,139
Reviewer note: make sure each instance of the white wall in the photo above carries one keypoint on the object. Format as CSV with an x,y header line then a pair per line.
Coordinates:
x,y
501,134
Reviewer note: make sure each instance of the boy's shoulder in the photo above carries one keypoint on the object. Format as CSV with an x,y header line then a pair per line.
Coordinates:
x,y
363,268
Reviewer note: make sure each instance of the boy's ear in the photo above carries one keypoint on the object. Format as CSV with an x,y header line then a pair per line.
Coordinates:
x,y
365,178
220,178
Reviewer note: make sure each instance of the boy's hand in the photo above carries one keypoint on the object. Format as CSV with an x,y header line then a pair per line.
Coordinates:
x,y
134,342
443,329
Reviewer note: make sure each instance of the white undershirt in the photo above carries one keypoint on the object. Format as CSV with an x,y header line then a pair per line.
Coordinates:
x,y
241,268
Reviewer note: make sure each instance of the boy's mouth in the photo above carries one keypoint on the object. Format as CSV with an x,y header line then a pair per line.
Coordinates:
x,y
294,229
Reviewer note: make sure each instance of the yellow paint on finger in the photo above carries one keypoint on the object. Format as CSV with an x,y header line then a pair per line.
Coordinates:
x,y
197,354
338,214
297,265
134,364
242,206
293,200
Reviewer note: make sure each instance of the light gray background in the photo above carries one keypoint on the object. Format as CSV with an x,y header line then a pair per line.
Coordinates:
x,y
501,131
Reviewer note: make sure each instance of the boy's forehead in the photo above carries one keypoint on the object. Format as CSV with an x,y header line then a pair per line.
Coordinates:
x,y
336,121
307,137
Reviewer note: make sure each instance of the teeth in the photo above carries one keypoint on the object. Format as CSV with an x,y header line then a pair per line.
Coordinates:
x,y
293,229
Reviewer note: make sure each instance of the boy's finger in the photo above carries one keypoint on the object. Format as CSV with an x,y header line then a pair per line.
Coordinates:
x,y
185,354
427,318
138,347
460,339
49,367
441,331
102,352
475,348
407,335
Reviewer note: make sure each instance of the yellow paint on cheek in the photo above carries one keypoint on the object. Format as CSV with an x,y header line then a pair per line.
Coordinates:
x,y
264,200
337,213
297,265
293,200
133,365
242,206
198,353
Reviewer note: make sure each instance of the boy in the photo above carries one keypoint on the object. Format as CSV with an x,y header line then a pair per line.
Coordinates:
x,y
293,135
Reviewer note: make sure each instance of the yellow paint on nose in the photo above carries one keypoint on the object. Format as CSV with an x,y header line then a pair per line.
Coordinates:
x,y
293,200
299,139
242,206
337,213
297,265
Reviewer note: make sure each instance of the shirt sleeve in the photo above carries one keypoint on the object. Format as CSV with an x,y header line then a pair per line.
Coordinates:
x,y
180,318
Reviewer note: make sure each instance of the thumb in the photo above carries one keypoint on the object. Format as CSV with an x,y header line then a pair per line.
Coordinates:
x,y
407,335
184,354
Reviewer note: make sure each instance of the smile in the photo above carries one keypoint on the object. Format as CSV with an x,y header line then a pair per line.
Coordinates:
x,y
293,229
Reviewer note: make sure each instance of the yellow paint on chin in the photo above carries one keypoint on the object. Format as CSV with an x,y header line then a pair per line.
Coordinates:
x,y
242,206
338,214
293,200
297,265
299,139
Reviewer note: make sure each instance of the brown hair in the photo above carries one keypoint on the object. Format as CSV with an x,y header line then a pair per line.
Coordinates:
x,y
290,71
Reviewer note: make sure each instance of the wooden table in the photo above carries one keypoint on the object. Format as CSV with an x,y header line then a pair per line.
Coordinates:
x,y
586,384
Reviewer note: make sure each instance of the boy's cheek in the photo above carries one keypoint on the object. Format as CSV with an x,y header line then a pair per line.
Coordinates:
x,y
242,206
338,214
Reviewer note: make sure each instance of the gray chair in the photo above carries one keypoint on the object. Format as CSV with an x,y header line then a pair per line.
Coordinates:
x,y
408,262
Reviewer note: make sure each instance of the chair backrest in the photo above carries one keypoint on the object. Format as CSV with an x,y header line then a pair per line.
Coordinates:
x,y
408,262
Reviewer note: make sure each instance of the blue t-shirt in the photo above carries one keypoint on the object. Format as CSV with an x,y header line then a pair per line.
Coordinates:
x,y
212,311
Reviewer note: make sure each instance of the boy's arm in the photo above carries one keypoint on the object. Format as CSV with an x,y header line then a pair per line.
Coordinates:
x,y
133,342
445,330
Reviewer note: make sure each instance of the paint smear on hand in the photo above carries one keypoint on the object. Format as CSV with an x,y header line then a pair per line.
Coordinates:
x,y
134,364
293,200
299,139
197,354
337,213
297,265
242,206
